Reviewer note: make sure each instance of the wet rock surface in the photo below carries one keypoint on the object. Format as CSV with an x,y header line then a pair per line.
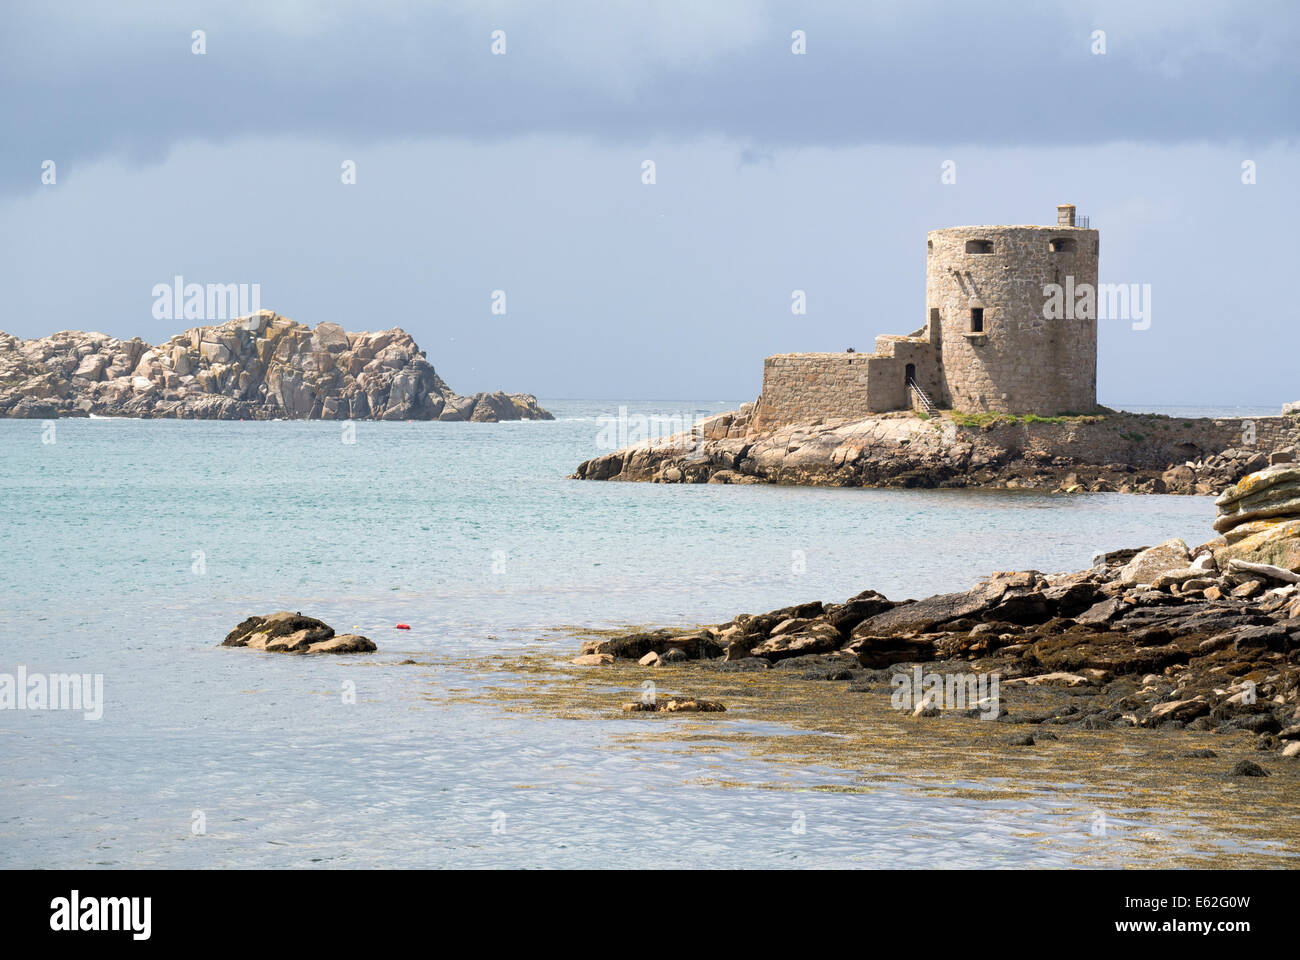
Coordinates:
x,y
1165,636
260,367
285,632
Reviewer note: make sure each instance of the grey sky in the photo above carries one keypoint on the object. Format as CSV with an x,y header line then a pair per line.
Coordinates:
x,y
774,172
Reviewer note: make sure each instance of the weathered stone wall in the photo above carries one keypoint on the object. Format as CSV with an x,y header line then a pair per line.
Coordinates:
x,y
922,353
802,387
815,386
1144,440
1020,362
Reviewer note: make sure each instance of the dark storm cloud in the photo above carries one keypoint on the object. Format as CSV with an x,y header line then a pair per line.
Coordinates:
x,y
81,81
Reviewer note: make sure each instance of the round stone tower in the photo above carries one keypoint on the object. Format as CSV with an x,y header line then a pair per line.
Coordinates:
x,y
1016,324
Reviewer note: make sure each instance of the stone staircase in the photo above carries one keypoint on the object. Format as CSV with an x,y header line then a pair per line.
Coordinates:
x,y
920,397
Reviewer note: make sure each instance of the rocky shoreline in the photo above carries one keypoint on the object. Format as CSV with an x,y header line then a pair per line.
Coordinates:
x,y
260,367
1106,452
1164,637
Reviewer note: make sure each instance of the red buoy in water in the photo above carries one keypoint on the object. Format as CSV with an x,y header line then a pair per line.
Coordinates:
x,y
403,626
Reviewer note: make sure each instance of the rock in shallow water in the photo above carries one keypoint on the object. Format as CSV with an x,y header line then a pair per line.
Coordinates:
x,y
592,660
1188,642
285,632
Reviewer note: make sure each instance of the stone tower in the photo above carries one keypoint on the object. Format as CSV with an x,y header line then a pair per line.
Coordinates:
x,y
984,289
990,343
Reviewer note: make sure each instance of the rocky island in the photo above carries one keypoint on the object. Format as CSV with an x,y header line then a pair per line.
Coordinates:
x,y
997,389
1104,452
1204,638
260,367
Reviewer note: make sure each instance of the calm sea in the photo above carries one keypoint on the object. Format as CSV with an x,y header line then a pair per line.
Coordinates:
x,y
130,548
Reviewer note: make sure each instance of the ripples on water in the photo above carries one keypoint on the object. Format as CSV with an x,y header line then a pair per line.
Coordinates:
x,y
131,547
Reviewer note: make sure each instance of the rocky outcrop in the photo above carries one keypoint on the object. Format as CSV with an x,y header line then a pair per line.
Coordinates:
x,y
285,632
1101,453
1259,519
1162,636
260,367
1271,494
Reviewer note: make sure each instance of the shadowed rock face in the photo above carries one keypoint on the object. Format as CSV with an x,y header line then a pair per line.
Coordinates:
x,y
260,367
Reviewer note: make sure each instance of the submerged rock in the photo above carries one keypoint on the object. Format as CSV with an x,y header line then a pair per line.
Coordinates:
x,y
285,632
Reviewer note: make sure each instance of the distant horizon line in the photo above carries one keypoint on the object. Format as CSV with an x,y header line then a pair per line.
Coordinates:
x,y
1113,406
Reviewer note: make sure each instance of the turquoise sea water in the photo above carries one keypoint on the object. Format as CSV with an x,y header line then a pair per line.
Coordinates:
x,y
130,548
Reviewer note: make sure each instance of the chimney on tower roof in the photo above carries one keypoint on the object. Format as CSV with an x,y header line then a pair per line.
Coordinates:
x,y
1065,215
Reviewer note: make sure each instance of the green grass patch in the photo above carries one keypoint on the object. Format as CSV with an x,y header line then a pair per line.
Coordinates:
x,y
985,421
